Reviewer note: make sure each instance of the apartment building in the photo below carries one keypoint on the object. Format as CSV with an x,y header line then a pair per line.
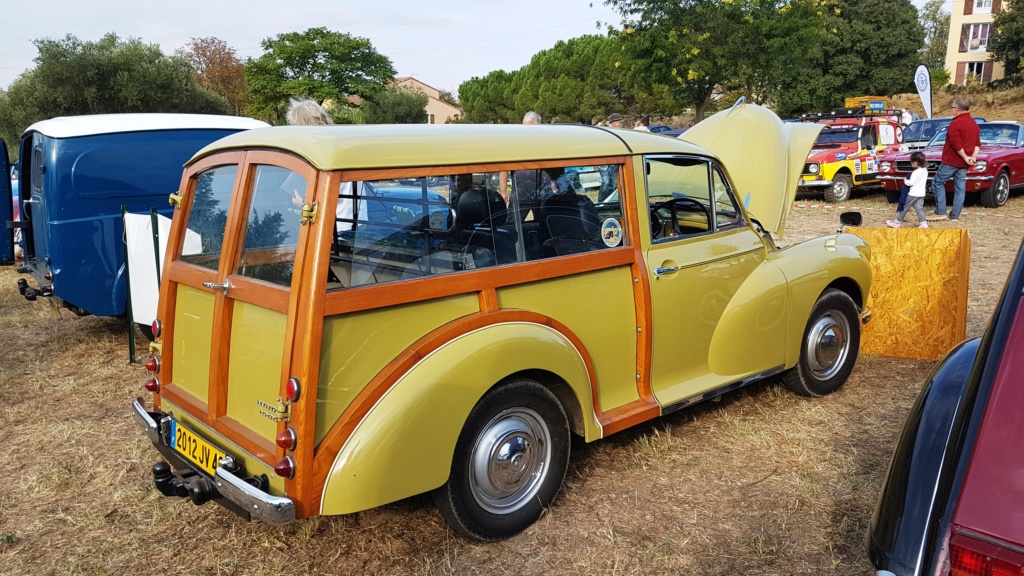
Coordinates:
x,y
970,24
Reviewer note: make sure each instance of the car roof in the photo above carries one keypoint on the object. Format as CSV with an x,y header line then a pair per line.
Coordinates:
x,y
92,124
412,145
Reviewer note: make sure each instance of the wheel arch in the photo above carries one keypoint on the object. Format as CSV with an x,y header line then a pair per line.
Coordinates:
x,y
420,417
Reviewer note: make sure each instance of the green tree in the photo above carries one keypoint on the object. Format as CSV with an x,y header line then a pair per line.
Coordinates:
x,y
1006,43
217,68
73,77
396,105
490,99
935,21
317,63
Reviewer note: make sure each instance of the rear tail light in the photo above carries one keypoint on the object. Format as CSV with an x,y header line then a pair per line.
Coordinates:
x,y
156,328
153,364
292,389
153,384
287,438
971,557
285,467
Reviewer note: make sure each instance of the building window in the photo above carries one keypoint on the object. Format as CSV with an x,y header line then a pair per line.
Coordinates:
x,y
982,6
974,37
975,69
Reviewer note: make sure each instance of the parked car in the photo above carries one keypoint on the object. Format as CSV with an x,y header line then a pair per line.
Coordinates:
x,y
656,128
76,175
1000,165
846,152
8,211
953,499
344,357
918,133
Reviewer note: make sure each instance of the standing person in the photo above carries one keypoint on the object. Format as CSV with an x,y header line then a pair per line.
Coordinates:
x,y
615,120
531,117
916,182
963,140
306,112
905,117
640,125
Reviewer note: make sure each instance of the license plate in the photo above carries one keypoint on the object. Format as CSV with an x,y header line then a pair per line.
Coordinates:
x,y
198,451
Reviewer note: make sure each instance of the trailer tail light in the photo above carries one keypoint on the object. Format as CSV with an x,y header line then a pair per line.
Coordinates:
x,y
153,384
156,328
287,438
153,364
292,389
285,467
971,557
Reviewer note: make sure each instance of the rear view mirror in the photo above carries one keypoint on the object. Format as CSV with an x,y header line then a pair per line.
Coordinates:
x,y
851,218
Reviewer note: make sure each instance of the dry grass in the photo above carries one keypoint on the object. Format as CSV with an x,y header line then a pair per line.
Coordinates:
x,y
763,482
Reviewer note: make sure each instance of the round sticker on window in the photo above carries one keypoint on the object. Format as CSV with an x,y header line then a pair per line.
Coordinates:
x,y
611,232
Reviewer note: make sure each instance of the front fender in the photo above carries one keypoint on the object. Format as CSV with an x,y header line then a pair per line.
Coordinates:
x,y
907,513
405,443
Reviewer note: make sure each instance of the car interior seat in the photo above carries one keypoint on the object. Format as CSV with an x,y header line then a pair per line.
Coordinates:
x,y
569,220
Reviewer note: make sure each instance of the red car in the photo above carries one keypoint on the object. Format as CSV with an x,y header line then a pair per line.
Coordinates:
x,y
953,501
1000,165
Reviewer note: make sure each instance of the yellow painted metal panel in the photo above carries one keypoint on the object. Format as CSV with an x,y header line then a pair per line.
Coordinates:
x,y
254,372
357,146
598,307
193,337
404,446
253,465
357,346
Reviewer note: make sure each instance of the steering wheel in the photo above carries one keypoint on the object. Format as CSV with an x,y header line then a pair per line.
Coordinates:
x,y
657,226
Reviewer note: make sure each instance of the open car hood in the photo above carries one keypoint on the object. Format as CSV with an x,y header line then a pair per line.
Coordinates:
x,y
763,155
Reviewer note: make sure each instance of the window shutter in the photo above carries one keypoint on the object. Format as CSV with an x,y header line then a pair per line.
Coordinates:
x,y
986,72
965,37
997,5
960,68
968,7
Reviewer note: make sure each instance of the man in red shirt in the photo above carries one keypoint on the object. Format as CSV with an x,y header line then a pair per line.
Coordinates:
x,y
963,140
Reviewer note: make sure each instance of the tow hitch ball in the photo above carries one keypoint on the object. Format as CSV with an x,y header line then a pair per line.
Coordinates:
x,y
22,285
183,484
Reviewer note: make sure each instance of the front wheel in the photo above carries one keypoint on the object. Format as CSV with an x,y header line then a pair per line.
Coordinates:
x,y
509,463
829,347
996,196
840,190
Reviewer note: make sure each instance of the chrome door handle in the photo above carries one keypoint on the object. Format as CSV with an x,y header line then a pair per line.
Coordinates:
x,y
666,270
216,285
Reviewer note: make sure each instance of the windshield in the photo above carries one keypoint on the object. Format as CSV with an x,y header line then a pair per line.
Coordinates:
x,y
991,134
837,135
923,130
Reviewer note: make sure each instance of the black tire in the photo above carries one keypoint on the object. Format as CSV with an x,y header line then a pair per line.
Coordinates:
x,y
842,184
828,349
996,196
147,331
892,196
509,462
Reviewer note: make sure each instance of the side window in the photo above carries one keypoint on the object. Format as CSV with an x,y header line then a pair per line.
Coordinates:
x,y
207,217
727,212
869,139
272,225
679,195
887,132
406,228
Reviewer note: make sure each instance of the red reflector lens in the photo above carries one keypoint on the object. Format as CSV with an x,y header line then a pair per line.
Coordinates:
x,y
970,557
286,438
292,389
285,468
153,364
153,385
156,328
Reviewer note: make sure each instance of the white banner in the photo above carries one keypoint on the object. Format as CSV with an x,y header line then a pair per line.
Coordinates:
x,y
923,81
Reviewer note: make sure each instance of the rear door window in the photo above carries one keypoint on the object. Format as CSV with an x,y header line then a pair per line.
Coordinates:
x,y
204,232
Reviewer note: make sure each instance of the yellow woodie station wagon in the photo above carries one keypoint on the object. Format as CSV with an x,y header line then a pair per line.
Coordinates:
x,y
351,315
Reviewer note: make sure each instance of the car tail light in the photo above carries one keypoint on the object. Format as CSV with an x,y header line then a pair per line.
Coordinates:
x,y
153,364
153,384
156,328
292,389
48,276
287,438
285,467
970,557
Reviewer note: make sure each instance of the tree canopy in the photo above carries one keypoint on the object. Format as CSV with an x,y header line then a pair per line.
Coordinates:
x,y
935,21
317,63
1006,43
110,75
396,105
217,68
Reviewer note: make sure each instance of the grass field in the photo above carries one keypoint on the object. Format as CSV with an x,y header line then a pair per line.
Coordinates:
x,y
762,482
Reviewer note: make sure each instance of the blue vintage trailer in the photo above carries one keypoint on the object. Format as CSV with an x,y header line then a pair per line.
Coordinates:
x,y
76,173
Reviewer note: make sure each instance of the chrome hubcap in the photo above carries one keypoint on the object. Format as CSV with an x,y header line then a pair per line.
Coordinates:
x,y
1002,189
828,345
510,460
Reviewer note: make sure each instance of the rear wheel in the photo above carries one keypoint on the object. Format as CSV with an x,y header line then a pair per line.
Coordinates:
x,y
996,196
842,184
509,462
829,347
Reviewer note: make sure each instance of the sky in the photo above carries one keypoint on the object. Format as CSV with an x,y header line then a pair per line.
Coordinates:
x,y
441,43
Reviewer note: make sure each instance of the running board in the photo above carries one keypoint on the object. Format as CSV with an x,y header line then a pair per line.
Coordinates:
x,y
716,392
